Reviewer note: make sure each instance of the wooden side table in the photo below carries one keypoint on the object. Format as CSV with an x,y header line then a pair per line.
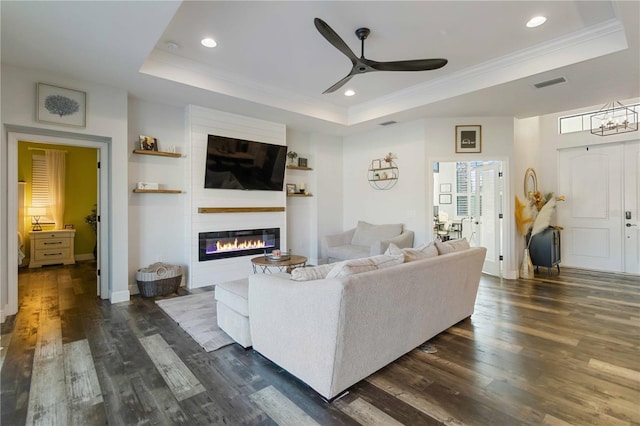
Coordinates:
x,y
263,264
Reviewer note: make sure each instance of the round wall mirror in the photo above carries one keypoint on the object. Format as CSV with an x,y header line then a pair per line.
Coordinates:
x,y
530,183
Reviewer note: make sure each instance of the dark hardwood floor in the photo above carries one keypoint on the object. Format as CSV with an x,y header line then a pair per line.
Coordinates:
x,y
559,350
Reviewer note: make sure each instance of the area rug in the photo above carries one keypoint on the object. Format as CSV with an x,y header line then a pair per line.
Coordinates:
x,y
196,314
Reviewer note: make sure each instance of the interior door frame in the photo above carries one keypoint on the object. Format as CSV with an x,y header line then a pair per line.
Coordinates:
x,y
509,268
45,136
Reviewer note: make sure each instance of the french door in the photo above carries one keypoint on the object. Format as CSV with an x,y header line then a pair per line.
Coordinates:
x,y
488,229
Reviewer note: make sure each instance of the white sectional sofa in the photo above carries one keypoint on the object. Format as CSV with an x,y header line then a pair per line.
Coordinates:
x,y
333,332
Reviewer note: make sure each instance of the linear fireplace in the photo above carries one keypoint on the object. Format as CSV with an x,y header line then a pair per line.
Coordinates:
x,y
225,244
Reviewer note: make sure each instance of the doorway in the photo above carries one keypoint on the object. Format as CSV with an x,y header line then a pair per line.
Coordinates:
x,y
80,205
14,135
600,218
469,201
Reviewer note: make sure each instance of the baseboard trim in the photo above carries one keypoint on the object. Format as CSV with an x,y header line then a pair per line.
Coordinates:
x,y
84,256
120,296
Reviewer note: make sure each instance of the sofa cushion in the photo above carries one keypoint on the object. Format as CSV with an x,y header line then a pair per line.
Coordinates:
x,y
367,234
450,246
356,266
234,294
348,252
311,273
423,251
387,260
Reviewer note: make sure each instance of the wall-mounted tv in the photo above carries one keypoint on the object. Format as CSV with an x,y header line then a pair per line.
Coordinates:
x,y
246,165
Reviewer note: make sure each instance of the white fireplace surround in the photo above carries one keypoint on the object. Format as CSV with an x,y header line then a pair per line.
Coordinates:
x,y
202,122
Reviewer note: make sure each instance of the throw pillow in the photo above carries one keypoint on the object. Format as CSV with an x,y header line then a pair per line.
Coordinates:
x,y
367,234
445,247
311,273
423,251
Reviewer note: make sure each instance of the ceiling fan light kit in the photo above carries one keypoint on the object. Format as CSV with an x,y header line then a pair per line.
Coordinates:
x,y
363,65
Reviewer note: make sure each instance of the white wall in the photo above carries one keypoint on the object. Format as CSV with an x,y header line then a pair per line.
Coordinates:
x,y
201,123
106,118
311,218
158,227
328,151
497,144
404,203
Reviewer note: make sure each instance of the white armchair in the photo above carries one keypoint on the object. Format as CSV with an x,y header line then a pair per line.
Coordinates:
x,y
365,240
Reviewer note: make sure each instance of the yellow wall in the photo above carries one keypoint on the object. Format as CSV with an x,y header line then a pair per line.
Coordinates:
x,y
81,189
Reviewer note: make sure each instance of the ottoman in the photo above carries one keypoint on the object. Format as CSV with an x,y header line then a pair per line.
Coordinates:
x,y
233,310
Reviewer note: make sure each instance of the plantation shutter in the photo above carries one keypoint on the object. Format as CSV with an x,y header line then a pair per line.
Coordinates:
x,y
40,184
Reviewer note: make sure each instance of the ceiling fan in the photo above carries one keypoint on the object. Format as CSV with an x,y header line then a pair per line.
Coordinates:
x,y
363,65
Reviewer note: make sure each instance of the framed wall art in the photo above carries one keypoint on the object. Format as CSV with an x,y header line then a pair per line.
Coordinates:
x,y
148,143
445,187
60,105
444,199
468,139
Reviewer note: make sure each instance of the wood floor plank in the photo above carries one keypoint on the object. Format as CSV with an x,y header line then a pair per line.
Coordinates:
x,y
485,339
83,388
616,370
280,408
367,414
47,397
417,401
5,341
179,378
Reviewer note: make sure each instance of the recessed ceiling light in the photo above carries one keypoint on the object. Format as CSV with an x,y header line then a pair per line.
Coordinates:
x,y
209,42
171,45
536,21
349,93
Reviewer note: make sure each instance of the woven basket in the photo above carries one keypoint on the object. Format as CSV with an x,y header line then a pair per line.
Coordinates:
x,y
159,279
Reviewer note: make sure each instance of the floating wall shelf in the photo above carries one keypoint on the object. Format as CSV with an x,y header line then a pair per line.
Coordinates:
x,y
157,191
382,175
158,153
239,209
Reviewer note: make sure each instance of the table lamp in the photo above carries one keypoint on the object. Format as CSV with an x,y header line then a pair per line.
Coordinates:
x,y
36,212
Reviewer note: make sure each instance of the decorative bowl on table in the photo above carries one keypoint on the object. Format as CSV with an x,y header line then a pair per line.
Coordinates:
x,y
285,255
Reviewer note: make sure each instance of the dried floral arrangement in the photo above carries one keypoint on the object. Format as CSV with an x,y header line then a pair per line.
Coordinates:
x,y
534,216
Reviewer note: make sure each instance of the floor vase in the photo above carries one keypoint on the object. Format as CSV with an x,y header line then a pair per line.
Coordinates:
x,y
526,268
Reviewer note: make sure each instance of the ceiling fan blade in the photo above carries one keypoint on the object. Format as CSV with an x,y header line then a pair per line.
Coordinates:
x,y
411,65
333,38
338,84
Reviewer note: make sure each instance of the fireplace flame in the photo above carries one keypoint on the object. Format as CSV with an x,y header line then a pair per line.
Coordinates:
x,y
244,245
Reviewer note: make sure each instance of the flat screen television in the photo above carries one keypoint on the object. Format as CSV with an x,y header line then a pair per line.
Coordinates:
x,y
246,165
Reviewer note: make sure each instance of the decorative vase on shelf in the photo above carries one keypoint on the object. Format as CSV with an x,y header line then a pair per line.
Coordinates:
x,y
526,268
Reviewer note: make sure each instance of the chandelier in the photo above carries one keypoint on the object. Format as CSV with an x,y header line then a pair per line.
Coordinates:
x,y
614,118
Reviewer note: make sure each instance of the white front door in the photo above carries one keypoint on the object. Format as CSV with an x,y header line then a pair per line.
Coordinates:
x,y
489,207
632,207
591,178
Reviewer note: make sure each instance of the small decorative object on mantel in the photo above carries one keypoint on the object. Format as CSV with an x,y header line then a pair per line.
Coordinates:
x,y
292,155
59,105
469,139
302,162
